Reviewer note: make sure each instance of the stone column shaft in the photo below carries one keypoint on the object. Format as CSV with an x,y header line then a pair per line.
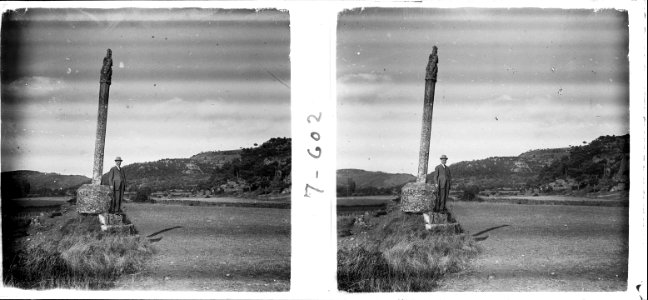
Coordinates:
x,y
100,139
426,126
102,117
95,198
417,197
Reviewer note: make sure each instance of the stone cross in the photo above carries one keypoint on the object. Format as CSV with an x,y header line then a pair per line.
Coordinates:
x,y
102,118
428,103
417,197
95,198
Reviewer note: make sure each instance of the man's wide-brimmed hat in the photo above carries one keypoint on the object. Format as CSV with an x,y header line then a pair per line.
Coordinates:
x,y
118,158
444,156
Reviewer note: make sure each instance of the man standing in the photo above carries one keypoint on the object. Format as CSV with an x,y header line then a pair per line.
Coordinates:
x,y
117,182
443,180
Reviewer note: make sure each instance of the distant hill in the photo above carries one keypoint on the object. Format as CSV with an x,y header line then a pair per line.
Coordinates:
x,y
601,165
364,178
506,171
260,170
215,159
16,184
176,173
361,182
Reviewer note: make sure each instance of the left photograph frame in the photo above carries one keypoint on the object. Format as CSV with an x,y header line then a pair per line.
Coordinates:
x,y
146,149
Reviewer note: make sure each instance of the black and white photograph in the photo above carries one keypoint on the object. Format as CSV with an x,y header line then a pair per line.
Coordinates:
x,y
332,149
483,149
146,149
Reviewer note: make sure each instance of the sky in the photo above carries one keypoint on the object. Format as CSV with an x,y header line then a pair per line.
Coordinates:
x,y
510,80
184,81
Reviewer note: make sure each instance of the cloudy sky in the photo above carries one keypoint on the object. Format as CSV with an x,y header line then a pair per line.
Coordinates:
x,y
184,81
510,80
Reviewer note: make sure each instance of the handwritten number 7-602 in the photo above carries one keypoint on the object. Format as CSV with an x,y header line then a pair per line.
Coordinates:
x,y
318,151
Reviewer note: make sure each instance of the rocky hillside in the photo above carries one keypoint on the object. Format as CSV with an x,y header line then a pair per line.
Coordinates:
x,y
526,164
176,173
365,179
511,171
601,165
215,159
16,184
361,182
260,170
489,173
263,169
596,165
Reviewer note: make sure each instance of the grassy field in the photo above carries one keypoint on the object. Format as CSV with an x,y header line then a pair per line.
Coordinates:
x,y
533,247
559,200
62,249
41,201
351,205
544,248
392,252
213,248
226,201
26,206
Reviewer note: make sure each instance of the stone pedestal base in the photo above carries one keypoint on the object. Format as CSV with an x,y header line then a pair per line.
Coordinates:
x,y
126,228
417,197
93,199
440,217
441,222
115,223
450,228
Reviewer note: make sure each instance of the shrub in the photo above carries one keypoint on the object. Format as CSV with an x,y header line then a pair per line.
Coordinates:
x,y
470,193
143,195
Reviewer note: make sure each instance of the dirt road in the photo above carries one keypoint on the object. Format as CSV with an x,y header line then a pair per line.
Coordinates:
x,y
544,248
213,248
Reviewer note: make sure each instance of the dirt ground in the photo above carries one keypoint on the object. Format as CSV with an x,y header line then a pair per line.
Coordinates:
x,y
544,248
213,248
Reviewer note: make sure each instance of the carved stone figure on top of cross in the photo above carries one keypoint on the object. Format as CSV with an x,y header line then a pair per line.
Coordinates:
x,y
106,69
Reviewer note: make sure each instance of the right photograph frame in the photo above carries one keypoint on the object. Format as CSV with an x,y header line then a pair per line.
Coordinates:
x,y
482,149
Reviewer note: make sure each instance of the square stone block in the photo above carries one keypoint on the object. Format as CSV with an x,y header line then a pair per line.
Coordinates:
x,y
418,197
124,228
441,217
448,228
93,199
111,219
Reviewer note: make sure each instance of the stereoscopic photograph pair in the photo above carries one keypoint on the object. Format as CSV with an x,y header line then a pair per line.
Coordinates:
x,y
478,149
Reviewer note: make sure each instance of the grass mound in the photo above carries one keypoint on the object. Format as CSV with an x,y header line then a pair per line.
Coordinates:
x,y
70,251
394,253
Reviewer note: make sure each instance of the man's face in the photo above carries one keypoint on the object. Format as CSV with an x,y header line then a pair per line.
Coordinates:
x,y
118,163
444,160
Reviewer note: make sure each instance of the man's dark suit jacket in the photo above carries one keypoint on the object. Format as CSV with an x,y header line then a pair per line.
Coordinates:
x,y
116,175
442,176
